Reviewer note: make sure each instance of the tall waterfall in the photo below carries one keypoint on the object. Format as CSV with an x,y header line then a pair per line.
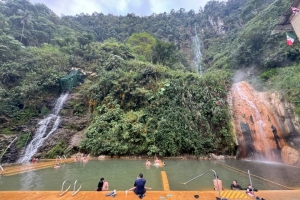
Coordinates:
x,y
47,126
197,53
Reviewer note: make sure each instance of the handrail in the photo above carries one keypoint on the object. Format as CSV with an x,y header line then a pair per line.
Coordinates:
x,y
58,157
251,183
75,192
7,148
62,188
1,169
204,174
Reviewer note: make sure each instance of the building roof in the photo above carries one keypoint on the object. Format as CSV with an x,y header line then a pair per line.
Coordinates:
x,y
284,23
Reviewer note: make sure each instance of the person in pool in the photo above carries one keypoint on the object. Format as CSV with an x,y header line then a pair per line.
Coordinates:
x,y
56,166
235,186
102,185
156,161
217,184
148,163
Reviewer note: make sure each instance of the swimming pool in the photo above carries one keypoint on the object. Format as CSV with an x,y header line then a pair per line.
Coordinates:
x,y
121,174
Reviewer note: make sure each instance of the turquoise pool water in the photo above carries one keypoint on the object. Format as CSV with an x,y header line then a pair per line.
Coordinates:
x,y
121,175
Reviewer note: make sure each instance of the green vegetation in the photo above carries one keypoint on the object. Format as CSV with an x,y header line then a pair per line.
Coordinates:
x,y
23,140
58,149
141,88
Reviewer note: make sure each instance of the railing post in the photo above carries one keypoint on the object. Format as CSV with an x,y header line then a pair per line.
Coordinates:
x,y
204,174
215,174
251,183
1,169
75,192
7,148
62,187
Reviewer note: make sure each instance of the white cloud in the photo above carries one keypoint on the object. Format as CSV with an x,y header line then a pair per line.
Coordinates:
x,y
120,7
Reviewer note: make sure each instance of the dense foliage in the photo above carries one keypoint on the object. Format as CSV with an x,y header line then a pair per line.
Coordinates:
x,y
145,96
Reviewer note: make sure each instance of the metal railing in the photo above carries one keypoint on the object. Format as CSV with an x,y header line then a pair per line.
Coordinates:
x,y
1,169
75,192
7,148
251,183
62,192
216,176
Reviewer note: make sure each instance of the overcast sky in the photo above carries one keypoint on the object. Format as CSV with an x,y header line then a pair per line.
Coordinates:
x,y
120,7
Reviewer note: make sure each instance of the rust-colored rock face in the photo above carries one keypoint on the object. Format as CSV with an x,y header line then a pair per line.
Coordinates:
x,y
257,125
289,155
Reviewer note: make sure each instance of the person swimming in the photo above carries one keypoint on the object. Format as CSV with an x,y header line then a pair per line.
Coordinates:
x,y
56,166
156,161
148,163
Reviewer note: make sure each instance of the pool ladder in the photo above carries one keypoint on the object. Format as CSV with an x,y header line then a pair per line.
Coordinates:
x,y
2,170
62,192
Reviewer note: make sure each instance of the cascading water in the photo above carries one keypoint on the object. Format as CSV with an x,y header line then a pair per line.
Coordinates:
x,y
197,53
47,126
256,124
257,118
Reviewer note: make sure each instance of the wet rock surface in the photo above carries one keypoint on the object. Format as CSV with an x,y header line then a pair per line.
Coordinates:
x,y
265,125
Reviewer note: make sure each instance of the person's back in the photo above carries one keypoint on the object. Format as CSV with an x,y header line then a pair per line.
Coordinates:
x,y
140,185
105,185
218,184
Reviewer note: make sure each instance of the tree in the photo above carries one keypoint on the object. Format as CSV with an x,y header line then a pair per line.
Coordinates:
x,y
142,44
164,53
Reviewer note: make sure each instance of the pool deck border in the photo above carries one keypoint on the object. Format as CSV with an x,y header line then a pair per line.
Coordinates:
x,y
121,195
159,195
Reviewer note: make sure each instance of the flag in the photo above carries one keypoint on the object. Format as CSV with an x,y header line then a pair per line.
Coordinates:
x,y
295,10
289,39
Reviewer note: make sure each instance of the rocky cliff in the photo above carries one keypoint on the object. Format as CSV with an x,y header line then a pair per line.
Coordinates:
x,y
266,127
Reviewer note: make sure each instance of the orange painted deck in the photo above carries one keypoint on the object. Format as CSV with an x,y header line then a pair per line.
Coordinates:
x,y
150,195
167,194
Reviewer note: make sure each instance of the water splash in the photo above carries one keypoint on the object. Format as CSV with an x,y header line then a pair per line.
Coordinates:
x,y
51,123
197,53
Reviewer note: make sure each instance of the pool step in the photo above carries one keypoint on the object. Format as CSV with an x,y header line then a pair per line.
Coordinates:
x,y
234,194
13,170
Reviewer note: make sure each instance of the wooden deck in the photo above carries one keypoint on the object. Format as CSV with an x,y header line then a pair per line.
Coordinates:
x,y
150,195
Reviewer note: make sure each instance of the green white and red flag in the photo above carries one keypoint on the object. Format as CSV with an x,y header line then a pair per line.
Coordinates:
x,y
289,39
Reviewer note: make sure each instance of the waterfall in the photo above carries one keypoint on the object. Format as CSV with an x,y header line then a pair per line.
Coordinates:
x,y
47,126
257,118
257,125
197,53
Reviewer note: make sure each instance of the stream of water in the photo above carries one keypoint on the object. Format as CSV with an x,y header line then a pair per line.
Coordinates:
x,y
47,126
197,53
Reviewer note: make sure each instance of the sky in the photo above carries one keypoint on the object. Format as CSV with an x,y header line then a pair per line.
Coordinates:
x,y
120,7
